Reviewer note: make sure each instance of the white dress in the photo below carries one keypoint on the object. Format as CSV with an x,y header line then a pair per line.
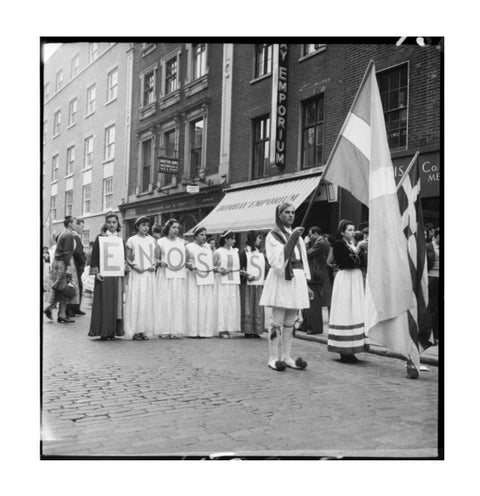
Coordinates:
x,y
277,291
171,289
139,316
227,295
201,304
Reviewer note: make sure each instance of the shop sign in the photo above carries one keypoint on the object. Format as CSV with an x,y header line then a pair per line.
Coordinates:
x,y
193,188
279,105
429,164
168,165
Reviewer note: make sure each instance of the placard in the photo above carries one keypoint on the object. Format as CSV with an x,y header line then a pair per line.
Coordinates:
x,y
175,259
144,253
204,265
112,256
256,268
231,262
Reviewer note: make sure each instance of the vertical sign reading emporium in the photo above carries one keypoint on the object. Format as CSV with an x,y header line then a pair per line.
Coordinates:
x,y
278,134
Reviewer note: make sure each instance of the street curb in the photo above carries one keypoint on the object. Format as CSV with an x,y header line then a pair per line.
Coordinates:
x,y
374,349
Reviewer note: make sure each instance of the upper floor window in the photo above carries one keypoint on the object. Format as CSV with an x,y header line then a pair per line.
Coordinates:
x,y
85,237
46,90
112,85
199,60
54,168
68,202
88,153
72,112
58,79
146,148
261,146
86,198
110,143
312,48
108,193
171,75
53,207
75,66
91,93
148,88
196,145
45,132
56,122
93,52
393,86
169,149
312,132
70,160
263,59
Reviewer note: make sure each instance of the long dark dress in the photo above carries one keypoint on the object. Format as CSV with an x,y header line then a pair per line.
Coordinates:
x,y
107,309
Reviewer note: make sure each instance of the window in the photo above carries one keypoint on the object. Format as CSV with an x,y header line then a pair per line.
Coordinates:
x,y
91,99
169,149
53,207
88,153
86,193
196,143
93,52
54,168
393,85
72,112
46,90
312,132
68,202
45,132
110,143
58,79
263,59
148,88
75,66
311,48
171,75
146,164
112,85
70,160
56,123
199,60
85,237
108,193
261,147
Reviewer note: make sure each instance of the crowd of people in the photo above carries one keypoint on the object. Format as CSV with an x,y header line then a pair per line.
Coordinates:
x,y
208,288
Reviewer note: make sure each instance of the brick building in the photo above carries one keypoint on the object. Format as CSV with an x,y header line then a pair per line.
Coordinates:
x,y
86,107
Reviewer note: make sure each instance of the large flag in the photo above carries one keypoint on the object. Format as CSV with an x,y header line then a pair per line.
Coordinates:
x,y
420,326
361,163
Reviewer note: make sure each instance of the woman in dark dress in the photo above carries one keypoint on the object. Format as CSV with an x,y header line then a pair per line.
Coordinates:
x,y
346,333
107,310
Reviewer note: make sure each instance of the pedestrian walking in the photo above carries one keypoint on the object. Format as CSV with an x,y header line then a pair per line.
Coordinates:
x,y
140,298
79,260
46,267
346,333
318,249
433,266
63,269
170,281
285,289
201,307
227,283
252,275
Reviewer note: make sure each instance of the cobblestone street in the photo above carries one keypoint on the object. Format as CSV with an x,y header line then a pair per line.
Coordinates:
x,y
204,396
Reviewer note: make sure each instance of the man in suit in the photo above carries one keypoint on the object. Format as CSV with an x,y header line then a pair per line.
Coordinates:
x,y
79,261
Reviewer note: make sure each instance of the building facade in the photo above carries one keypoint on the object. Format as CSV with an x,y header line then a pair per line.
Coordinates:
x,y
86,120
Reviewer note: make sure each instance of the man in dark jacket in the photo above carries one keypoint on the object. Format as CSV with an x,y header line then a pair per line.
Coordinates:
x,y
79,261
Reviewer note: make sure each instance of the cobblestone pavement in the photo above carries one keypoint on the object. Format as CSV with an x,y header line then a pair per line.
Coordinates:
x,y
204,396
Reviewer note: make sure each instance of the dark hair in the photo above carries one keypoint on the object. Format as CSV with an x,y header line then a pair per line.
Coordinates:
x,y
212,238
45,248
226,235
365,230
316,229
252,238
358,235
91,244
342,226
157,228
168,225
109,216
437,232
79,221
330,239
68,220
199,230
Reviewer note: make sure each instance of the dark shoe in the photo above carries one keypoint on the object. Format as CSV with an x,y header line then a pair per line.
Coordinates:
x,y
353,359
103,338
48,313
145,338
137,337
79,312
61,320
280,366
256,336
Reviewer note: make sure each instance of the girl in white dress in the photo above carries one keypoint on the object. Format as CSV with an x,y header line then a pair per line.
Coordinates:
x,y
202,308
140,312
171,283
285,289
227,285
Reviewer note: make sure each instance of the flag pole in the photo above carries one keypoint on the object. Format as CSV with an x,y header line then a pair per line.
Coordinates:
x,y
327,165
410,165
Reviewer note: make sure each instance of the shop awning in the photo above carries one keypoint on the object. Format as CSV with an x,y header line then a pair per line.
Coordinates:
x,y
254,208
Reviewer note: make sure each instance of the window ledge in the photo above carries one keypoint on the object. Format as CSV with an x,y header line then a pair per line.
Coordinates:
x,y
197,85
149,49
69,175
147,110
145,193
107,161
111,101
55,135
170,99
85,169
88,115
55,181
260,78
71,125
312,54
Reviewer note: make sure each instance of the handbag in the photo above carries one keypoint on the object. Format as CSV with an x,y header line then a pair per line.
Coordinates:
x,y
65,286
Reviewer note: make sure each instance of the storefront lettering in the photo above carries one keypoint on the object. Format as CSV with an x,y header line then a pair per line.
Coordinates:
x,y
429,164
258,203
279,107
